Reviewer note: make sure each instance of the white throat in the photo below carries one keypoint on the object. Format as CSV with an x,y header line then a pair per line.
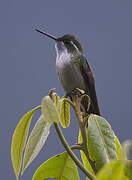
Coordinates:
x,y
62,55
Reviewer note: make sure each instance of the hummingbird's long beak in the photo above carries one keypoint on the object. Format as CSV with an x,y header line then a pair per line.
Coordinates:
x,y
48,35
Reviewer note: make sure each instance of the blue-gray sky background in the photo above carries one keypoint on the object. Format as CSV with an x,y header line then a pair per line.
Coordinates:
x,y
27,59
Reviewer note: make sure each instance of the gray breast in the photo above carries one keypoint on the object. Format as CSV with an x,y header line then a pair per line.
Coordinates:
x,y
69,73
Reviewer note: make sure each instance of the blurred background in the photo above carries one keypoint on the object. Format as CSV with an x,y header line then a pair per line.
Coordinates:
x,y
27,68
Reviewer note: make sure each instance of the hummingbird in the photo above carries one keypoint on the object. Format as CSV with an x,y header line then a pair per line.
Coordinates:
x,y
73,68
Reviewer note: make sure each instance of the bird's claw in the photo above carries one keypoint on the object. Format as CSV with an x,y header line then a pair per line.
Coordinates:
x,y
77,92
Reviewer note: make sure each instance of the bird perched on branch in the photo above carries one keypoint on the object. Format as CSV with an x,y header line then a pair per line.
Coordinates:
x,y
73,69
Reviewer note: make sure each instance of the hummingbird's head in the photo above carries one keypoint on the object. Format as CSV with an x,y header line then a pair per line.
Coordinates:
x,y
67,42
70,43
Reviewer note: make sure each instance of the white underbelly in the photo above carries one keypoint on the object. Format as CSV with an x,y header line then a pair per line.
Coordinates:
x,y
70,75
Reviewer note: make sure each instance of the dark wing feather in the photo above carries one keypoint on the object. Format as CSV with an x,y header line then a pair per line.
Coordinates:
x,y
90,83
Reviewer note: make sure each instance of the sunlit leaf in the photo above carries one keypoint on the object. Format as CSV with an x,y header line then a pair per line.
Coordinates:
x,y
65,113
112,171
60,167
56,100
127,147
119,150
49,110
101,141
19,140
128,169
36,141
84,158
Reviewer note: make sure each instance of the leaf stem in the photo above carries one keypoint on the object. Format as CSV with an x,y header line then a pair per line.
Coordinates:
x,y
71,154
36,108
77,147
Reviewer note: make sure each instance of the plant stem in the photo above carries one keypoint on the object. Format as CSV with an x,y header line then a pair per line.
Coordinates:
x,y
76,147
71,154
82,125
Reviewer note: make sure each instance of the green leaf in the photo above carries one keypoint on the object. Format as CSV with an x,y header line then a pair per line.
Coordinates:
x,y
36,141
19,140
56,100
112,171
60,167
84,158
101,141
119,150
49,110
64,113
128,169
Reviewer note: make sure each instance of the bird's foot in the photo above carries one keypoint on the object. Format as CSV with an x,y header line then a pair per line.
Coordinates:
x,y
84,114
77,92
